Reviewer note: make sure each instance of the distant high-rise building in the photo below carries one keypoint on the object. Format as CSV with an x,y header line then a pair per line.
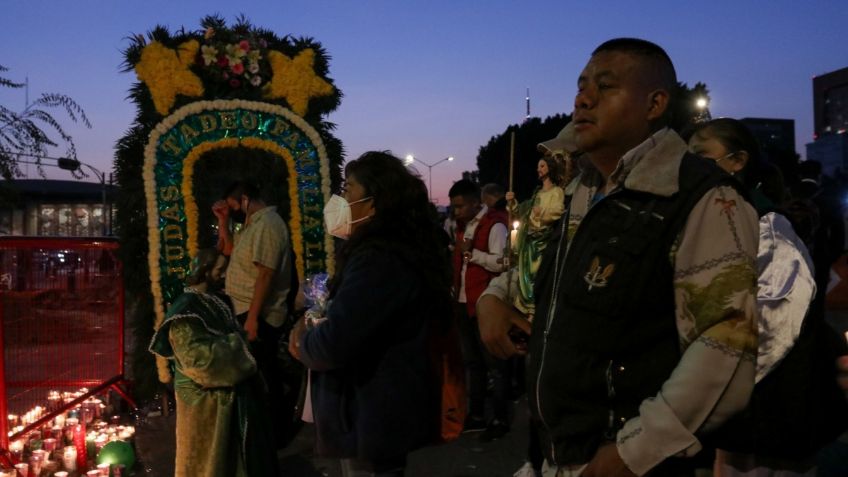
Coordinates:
x,y
830,121
830,103
776,137
831,150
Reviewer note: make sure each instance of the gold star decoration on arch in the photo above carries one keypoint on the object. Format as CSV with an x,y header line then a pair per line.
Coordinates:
x,y
166,73
295,80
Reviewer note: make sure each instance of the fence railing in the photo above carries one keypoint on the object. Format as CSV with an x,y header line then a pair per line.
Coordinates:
x,y
61,325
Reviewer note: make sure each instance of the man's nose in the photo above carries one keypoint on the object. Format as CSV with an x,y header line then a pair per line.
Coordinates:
x,y
585,98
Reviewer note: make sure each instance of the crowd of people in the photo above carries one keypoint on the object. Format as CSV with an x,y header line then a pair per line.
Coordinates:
x,y
661,292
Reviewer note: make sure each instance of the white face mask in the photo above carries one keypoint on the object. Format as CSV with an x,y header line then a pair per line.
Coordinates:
x,y
337,216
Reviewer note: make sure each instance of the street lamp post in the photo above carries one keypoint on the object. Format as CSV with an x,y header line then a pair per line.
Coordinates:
x,y
703,105
410,159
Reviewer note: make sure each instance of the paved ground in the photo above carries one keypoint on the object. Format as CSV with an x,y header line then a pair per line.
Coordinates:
x,y
465,457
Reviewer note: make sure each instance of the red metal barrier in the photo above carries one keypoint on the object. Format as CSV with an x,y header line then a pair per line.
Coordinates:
x,y
61,322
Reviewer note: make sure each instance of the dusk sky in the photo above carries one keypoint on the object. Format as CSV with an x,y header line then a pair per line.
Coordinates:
x,y
439,78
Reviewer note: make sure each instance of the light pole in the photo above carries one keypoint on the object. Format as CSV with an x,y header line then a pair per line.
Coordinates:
x,y
410,159
70,164
703,105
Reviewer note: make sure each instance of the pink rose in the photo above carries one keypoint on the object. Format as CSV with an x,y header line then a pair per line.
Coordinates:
x,y
235,83
223,62
244,45
237,68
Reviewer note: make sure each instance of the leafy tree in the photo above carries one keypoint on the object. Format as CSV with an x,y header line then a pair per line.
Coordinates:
x,y
684,110
31,131
493,158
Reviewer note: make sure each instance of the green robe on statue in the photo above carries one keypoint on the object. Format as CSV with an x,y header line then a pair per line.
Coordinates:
x,y
536,216
222,427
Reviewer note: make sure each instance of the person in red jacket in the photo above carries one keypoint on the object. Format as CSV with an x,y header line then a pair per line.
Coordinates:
x,y
478,257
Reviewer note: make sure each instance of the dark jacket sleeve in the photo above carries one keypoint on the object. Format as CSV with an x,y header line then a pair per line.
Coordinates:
x,y
374,290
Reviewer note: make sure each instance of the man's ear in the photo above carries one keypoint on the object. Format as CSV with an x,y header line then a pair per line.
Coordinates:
x,y
657,104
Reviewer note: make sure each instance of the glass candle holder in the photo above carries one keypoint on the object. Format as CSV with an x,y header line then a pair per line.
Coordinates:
x,y
36,461
69,458
23,469
16,448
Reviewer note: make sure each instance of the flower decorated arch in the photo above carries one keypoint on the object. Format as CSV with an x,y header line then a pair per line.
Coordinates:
x,y
182,139
204,92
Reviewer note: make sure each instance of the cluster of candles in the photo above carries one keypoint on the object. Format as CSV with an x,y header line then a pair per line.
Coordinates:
x,y
67,445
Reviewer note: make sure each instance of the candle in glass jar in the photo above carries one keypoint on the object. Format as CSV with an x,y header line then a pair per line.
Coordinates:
x,y
61,473
93,473
23,469
100,441
54,401
104,470
16,448
59,420
69,458
80,444
36,461
13,420
49,444
9,473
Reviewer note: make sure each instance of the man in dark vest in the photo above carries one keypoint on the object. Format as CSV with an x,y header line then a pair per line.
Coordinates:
x,y
644,337
478,257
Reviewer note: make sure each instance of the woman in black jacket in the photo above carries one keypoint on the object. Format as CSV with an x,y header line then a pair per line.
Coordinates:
x,y
375,395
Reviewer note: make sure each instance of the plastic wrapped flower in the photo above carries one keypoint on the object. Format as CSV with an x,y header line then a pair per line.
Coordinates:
x,y
209,53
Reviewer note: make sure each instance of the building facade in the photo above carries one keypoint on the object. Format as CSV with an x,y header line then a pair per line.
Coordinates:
x,y
830,121
830,103
57,208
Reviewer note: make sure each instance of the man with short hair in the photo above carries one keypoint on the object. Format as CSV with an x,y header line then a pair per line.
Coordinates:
x,y
258,276
492,194
645,331
478,256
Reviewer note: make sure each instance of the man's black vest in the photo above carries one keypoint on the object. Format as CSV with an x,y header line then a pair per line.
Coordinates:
x,y
612,338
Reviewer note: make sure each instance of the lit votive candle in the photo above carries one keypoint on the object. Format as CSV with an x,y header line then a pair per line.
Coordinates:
x,y
8,473
49,444
69,458
104,470
16,448
93,473
36,461
13,420
100,441
61,473
59,420
23,469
